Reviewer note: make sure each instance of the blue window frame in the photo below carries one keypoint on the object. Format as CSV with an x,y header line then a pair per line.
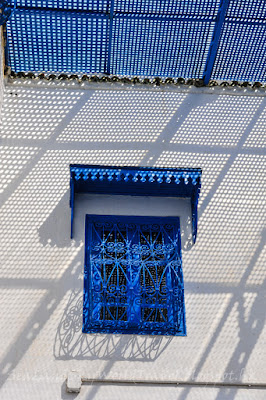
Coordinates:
x,y
133,281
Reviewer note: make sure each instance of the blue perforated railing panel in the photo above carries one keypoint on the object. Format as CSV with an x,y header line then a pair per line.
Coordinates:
x,y
247,9
201,39
159,47
133,281
242,45
155,7
71,5
241,53
53,44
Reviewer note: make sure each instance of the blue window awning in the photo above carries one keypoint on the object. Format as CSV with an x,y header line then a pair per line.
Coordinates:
x,y
136,181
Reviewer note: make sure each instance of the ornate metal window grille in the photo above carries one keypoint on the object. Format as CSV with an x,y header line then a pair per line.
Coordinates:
x,y
133,281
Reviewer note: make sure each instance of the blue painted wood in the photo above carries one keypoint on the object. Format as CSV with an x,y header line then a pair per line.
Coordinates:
x,y
133,280
215,41
137,181
71,203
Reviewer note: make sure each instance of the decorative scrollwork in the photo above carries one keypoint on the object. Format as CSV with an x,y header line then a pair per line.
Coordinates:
x,y
141,181
135,277
141,175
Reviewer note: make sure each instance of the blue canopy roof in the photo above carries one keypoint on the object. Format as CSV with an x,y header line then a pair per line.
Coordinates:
x,y
137,181
199,39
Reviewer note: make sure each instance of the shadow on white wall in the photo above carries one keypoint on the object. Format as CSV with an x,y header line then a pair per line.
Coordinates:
x,y
43,132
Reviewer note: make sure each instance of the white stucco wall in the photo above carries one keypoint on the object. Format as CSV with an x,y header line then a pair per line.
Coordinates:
x,y
46,128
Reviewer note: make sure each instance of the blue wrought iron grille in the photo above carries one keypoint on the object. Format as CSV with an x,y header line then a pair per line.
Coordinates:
x,y
201,39
133,281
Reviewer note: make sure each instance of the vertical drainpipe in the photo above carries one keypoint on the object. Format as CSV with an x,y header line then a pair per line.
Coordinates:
x,y
219,22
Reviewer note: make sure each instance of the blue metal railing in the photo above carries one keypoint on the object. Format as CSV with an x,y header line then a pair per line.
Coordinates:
x,y
215,40
203,39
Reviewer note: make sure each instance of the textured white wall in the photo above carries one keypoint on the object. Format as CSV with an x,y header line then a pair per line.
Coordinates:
x,y
43,130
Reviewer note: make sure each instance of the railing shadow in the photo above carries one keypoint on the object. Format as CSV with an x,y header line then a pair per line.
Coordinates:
x,y
25,200
249,329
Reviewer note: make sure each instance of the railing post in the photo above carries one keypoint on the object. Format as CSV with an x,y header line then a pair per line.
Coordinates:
x,y
111,16
215,41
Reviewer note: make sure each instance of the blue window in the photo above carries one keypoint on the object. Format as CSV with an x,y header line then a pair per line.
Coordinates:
x,y
133,281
